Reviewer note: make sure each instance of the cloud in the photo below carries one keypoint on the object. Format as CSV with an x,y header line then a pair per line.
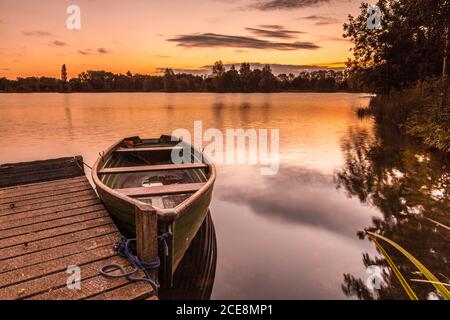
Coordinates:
x,y
103,51
36,33
271,32
296,202
5,69
208,40
271,26
267,5
85,52
321,20
100,50
58,43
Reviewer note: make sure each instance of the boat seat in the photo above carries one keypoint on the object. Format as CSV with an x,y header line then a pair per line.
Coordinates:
x,y
147,149
164,167
161,190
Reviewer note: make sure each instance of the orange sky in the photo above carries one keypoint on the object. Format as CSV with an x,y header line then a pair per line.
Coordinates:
x,y
145,35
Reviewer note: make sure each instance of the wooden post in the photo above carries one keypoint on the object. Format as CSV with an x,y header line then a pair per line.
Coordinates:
x,y
147,236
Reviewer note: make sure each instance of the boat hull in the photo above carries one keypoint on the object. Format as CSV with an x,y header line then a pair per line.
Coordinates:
x,y
184,228
182,221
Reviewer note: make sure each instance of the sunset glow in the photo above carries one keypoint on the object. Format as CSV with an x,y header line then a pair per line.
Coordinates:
x,y
186,35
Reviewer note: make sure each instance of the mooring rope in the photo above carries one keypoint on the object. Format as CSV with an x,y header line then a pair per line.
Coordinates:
x,y
123,248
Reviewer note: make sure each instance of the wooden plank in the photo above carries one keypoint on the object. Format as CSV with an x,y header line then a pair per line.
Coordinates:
x,y
48,204
49,267
130,291
25,239
39,164
57,241
39,187
51,225
40,171
162,190
154,149
58,252
15,223
70,205
54,281
46,226
49,193
50,198
147,236
165,167
89,288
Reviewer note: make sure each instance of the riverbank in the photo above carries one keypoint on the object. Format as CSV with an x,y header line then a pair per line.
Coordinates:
x,y
162,91
416,112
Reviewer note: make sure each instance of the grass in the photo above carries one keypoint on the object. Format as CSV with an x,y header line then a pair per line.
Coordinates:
x,y
440,287
415,111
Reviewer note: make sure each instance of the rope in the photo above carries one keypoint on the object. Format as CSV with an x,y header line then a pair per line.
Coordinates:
x,y
123,248
78,165
88,166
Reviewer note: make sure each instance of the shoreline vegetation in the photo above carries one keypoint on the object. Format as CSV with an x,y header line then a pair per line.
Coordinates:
x,y
405,63
220,80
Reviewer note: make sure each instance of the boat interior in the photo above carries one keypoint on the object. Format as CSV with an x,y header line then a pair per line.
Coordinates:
x,y
143,169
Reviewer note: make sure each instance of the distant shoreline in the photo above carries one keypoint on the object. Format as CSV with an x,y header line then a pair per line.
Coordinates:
x,y
212,92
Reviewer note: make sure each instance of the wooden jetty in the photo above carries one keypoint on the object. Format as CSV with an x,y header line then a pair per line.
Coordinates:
x,y
51,219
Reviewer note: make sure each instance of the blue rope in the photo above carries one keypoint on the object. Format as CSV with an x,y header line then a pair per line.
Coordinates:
x,y
123,248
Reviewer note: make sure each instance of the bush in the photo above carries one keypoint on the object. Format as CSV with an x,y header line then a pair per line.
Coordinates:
x,y
417,112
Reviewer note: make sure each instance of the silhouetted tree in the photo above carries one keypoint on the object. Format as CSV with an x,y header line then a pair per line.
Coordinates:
x,y
63,73
221,80
169,80
409,47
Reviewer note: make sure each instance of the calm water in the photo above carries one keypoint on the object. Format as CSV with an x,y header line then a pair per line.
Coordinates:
x,y
293,235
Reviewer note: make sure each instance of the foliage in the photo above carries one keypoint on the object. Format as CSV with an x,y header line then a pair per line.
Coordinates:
x,y
408,48
409,186
221,80
423,270
415,111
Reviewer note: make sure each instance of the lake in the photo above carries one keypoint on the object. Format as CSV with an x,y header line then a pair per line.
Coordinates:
x,y
293,235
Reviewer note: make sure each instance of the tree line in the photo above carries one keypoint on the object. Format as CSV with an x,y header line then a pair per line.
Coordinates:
x,y
244,79
406,63
410,46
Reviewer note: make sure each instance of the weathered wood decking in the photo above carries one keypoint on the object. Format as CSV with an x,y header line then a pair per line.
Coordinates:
x,y
50,219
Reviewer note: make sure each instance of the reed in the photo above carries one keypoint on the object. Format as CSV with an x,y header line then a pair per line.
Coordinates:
x,y
409,291
440,287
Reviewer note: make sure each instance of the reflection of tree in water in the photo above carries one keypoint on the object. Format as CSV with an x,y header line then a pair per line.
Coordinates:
x,y
408,184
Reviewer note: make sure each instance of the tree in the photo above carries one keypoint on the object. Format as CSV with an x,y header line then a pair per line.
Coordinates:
x,y
218,69
245,73
388,172
170,84
408,48
268,81
63,73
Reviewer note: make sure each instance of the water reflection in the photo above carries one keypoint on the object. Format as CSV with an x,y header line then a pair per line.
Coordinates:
x,y
194,278
296,195
288,236
408,184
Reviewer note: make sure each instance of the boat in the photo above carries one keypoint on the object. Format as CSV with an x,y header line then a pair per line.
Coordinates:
x,y
195,275
137,171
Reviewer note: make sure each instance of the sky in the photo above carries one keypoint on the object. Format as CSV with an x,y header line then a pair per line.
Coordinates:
x,y
145,36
